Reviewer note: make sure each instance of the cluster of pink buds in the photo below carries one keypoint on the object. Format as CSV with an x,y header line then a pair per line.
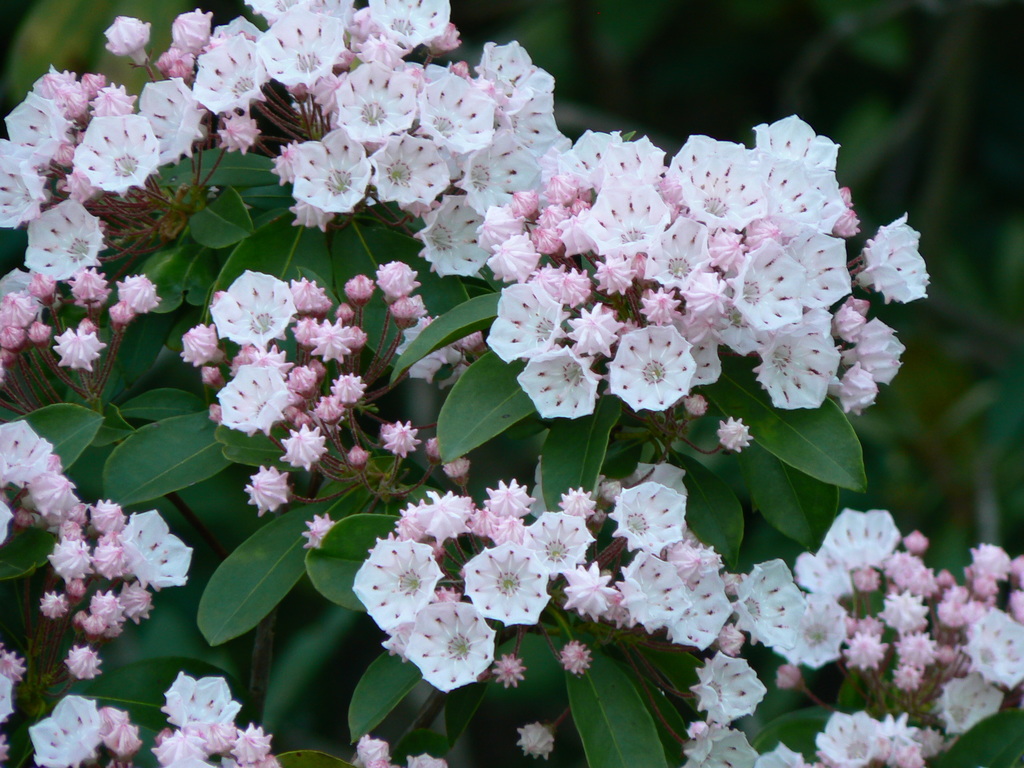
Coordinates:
x,y
201,711
455,581
641,274
45,341
933,655
102,566
376,753
318,409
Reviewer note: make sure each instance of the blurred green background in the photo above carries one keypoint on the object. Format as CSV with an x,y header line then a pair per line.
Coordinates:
x,y
926,98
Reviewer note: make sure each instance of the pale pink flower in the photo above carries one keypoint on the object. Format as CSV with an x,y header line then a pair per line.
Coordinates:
x,y
727,689
399,438
451,644
268,489
733,434
536,740
128,36
83,662
575,657
318,527
509,670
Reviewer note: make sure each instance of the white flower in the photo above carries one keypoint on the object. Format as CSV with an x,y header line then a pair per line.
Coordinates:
x,y
508,583
69,736
411,22
966,701
996,647
156,556
301,46
653,368
650,516
23,454
333,173
450,240
255,309
529,322
78,348
769,605
727,689
206,701
559,540
175,115
820,634
653,592
118,153
850,741
376,101
560,384
893,265
409,170
733,434
254,399
451,644
230,76
63,240
397,581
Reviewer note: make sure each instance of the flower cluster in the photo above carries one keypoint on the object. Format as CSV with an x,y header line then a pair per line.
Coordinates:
x,y
933,655
641,273
322,396
446,609
103,565
202,712
52,332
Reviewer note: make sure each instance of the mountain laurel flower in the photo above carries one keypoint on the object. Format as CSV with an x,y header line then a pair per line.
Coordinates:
x,y
156,557
536,740
509,670
575,657
78,348
727,689
318,527
70,736
399,438
304,447
268,489
118,152
128,36
83,662
451,644
508,583
733,434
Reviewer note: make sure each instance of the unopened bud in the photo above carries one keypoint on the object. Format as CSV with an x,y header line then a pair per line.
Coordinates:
x,y
357,457
433,451
788,677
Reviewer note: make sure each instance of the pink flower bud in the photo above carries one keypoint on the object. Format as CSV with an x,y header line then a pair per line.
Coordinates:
x,y
357,457
407,310
119,735
397,279
433,451
175,62
329,410
445,42
215,413
359,290
561,190
916,543
730,640
866,579
695,405
524,203
457,470
42,287
12,338
39,334
128,36
788,677
121,314
345,313
310,298
200,346
191,31
212,376
89,287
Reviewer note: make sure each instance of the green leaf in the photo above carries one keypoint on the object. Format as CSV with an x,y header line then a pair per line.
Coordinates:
x,y
219,168
795,504
252,450
260,572
114,427
459,707
797,730
575,449
332,566
69,427
485,401
277,249
680,669
162,457
995,742
307,758
157,404
383,685
139,687
820,442
142,343
223,222
180,271
473,315
270,197
25,552
712,510
616,729
419,742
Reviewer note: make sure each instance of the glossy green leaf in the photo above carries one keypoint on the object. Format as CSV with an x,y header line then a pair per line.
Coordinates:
x,y
797,730
71,428
162,457
795,504
332,566
307,758
139,687
277,249
254,578
420,742
819,442
679,669
574,451
219,168
252,450
383,685
157,404
459,707
223,222
24,552
113,428
485,401
712,510
995,742
269,197
616,728
142,344
473,315
180,272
